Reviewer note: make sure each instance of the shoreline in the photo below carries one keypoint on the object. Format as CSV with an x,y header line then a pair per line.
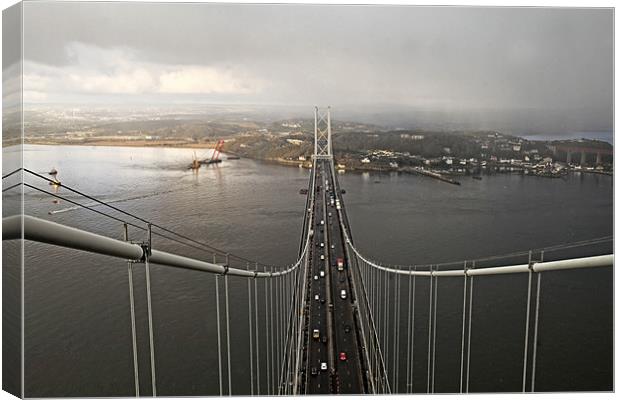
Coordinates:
x,y
444,176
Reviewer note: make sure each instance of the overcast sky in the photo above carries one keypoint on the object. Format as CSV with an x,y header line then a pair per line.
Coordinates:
x,y
427,58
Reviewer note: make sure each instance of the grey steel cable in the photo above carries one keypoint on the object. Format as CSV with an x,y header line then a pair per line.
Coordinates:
x,y
463,331
398,337
149,308
386,319
90,208
257,341
6,189
12,173
228,335
535,344
413,333
430,314
271,336
267,371
103,203
434,332
250,331
219,339
277,313
471,297
407,383
132,314
395,335
527,321
134,341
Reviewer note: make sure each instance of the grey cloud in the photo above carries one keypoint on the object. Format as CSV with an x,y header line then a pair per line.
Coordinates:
x,y
433,58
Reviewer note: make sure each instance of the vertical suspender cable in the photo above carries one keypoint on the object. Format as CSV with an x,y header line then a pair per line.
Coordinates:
x,y
283,300
256,332
379,308
373,348
219,338
273,369
228,332
376,317
408,383
267,356
293,323
250,332
132,311
150,311
527,320
463,330
535,341
384,298
434,332
471,297
395,334
282,328
289,335
398,335
430,329
373,342
277,336
134,342
413,331
386,321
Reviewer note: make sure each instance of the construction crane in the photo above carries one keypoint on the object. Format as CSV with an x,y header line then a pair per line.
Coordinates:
x,y
215,156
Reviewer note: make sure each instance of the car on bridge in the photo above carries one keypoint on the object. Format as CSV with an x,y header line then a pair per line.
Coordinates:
x,y
343,294
316,334
343,356
340,263
323,366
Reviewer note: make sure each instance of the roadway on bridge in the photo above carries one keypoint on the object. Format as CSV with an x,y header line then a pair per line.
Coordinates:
x,y
331,308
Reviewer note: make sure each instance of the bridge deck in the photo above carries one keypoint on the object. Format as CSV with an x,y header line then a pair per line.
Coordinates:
x,y
328,311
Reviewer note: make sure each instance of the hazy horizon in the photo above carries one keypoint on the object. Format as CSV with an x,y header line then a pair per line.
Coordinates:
x,y
524,71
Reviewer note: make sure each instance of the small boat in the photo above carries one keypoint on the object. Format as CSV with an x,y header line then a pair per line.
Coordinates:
x,y
232,157
303,191
477,177
195,163
53,172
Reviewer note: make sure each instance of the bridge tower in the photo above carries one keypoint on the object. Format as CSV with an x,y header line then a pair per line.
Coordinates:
x,y
322,134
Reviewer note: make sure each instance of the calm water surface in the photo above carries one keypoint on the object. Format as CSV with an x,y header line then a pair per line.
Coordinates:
x,y
77,317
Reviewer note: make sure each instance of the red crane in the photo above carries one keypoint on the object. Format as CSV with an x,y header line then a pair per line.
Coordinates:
x,y
215,156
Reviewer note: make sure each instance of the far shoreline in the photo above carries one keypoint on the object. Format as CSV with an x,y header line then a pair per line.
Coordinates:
x,y
175,144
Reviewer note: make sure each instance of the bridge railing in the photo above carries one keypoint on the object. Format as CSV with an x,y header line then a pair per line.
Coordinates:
x,y
391,298
392,315
272,305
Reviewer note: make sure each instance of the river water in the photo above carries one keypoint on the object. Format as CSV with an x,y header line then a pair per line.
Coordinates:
x,y
77,322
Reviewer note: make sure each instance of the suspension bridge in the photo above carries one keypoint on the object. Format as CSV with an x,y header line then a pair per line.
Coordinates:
x,y
333,322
